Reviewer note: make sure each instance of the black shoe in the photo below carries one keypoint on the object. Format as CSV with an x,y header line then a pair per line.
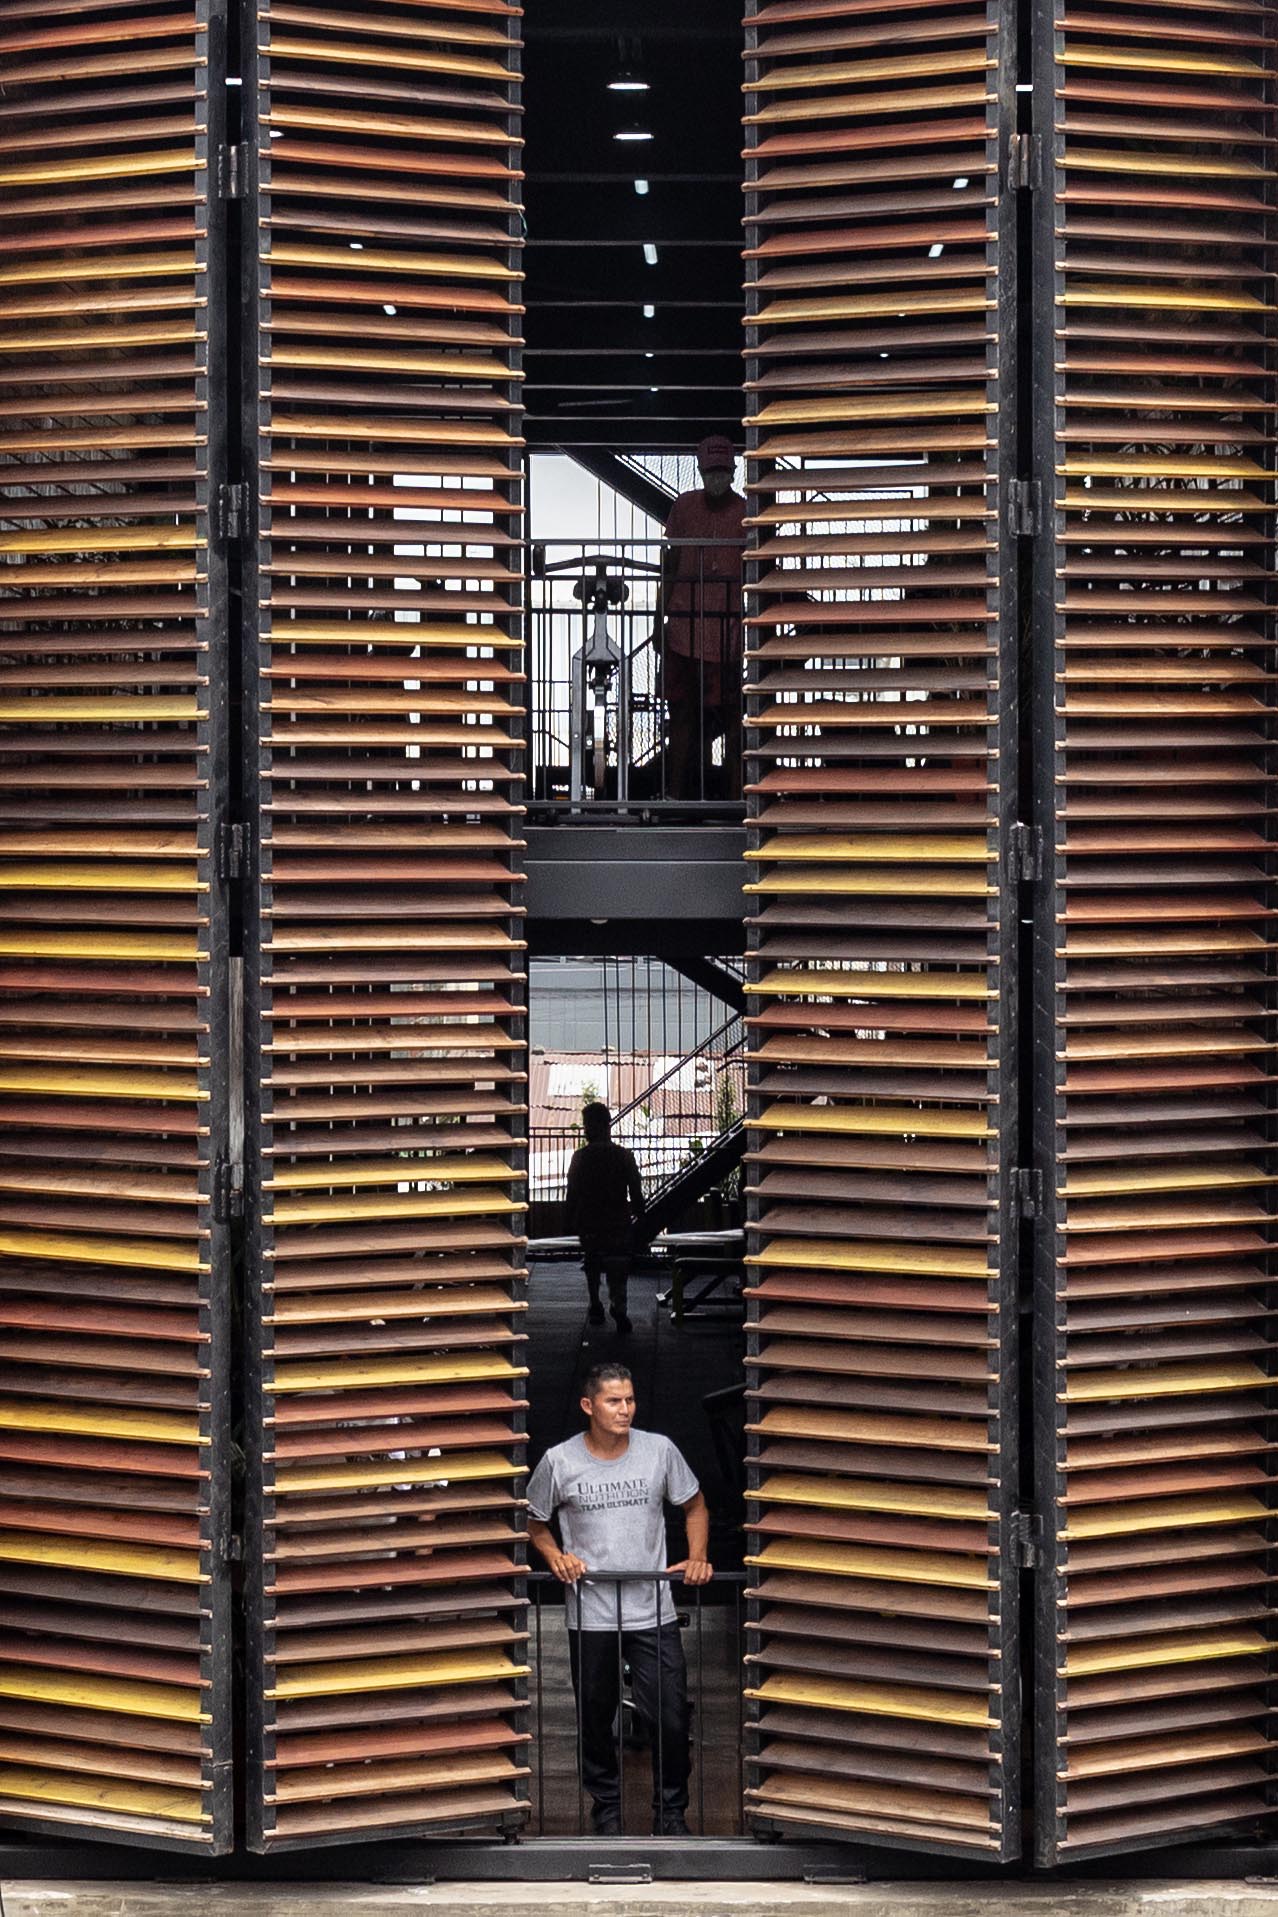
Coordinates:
x,y
605,1824
624,1326
671,1826
596,1314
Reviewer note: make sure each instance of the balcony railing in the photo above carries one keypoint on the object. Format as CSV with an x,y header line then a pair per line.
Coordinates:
x,y
622,720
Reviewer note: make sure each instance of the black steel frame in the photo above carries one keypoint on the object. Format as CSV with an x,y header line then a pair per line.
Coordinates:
x,y
256,429
1044,735
1003,1076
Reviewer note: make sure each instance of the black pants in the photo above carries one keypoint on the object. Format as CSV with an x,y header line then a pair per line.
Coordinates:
x,y
659,1686
608,1258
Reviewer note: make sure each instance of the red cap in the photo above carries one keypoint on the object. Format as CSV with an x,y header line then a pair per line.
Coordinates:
x,y
716,454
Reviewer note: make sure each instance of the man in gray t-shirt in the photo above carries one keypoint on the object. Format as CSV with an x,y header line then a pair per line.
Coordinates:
x,y
608,1488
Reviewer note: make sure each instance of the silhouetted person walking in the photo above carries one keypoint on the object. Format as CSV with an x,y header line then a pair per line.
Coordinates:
x,y
604,1203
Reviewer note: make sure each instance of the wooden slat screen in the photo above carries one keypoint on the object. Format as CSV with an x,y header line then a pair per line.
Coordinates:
x,y
386,1028
113,1674
881,780
1156,963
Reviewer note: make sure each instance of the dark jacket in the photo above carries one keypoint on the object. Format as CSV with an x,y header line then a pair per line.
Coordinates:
x,y
605,1194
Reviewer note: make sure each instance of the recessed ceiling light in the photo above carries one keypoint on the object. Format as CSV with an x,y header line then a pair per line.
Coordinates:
x,y
641,187
961,182
632,133
650,312
233,80
650,252
392,310
935,252
628,81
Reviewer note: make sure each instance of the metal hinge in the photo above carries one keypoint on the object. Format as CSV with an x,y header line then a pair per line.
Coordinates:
x,y
1023,159
1025,497
228,513
1025,1536
1025,853
230,173
228,1191
620,1874
228,851
1027,1192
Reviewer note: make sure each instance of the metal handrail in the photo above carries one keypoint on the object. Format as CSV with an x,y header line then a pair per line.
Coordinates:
x,y
681,1064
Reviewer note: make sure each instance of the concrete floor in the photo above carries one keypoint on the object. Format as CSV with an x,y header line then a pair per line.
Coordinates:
x,y
1202,1899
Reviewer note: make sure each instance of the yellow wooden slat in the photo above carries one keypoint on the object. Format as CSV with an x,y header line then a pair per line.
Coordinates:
x,y
362,1373
96,1421
158,538
38,1787
133,266
1137,1654
69,1081
1197,299
407,1168
875,1700
902,881
449,266
116,709
1088,1387
147,1254
85,1554
101,942
854,306
169,1702
110,876
1161,1514
412,1204
353,53
824,848
382,632
394,1674
850,1254
855,1561
1158,60
106,166
451,1468
897,1121
845,981
863,1494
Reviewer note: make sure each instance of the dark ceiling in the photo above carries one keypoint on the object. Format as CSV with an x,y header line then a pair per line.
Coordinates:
x,y
592,354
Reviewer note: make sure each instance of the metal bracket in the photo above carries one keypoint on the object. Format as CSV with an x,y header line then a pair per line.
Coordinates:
x,y
1027,1192
1026,1532
228,1190
834,1874
620,1874
230,1548
1025,853
229,178
228,514
1023,150
228,852
1025,500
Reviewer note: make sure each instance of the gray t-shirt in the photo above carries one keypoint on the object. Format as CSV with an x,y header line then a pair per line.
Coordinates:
x,y
612,1516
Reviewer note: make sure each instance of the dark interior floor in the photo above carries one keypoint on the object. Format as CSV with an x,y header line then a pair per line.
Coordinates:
x,y
677,1368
